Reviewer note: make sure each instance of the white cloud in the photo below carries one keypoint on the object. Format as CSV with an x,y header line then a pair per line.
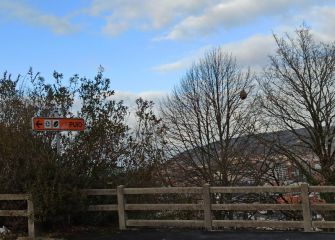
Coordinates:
x,y
180,19
189,18
144,14
25,13
230,14
114,28
174,66
320,18
323,19
250,52
253,51
182,63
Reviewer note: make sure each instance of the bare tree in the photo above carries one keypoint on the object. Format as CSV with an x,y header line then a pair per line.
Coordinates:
x,y
208,122
298,94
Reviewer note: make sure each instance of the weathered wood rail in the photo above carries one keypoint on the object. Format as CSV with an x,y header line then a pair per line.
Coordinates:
x,y
29,212
305,207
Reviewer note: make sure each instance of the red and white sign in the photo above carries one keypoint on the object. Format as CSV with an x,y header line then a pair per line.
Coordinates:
x,y
58,124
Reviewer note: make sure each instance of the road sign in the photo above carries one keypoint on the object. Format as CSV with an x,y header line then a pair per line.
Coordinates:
x,y
58,124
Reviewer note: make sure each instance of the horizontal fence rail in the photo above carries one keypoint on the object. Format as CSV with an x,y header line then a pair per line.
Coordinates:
x,y
165,190
257,189
29,212
206,205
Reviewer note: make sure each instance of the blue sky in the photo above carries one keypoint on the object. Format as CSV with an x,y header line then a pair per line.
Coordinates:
x,y
146,46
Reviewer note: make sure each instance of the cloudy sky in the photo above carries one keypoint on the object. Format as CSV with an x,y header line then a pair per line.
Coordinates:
x,y
146,46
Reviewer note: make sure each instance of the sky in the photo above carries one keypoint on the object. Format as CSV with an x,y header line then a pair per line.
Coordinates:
x,y
146,46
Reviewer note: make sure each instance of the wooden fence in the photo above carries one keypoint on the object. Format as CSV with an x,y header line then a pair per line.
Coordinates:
x,y
305,206
29,212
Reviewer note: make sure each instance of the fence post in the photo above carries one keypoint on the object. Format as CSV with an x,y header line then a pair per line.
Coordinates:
x,y
207,206
30,212
306,210
121,207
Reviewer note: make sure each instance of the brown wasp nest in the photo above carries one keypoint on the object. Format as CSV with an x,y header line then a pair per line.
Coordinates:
x,y
243,94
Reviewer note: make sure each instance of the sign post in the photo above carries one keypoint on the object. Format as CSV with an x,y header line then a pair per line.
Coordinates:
x,y
57,125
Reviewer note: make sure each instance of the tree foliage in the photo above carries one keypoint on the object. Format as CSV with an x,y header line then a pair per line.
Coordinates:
x,y
30,162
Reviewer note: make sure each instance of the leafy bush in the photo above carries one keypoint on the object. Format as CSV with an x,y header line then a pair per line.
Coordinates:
x,y
108,150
